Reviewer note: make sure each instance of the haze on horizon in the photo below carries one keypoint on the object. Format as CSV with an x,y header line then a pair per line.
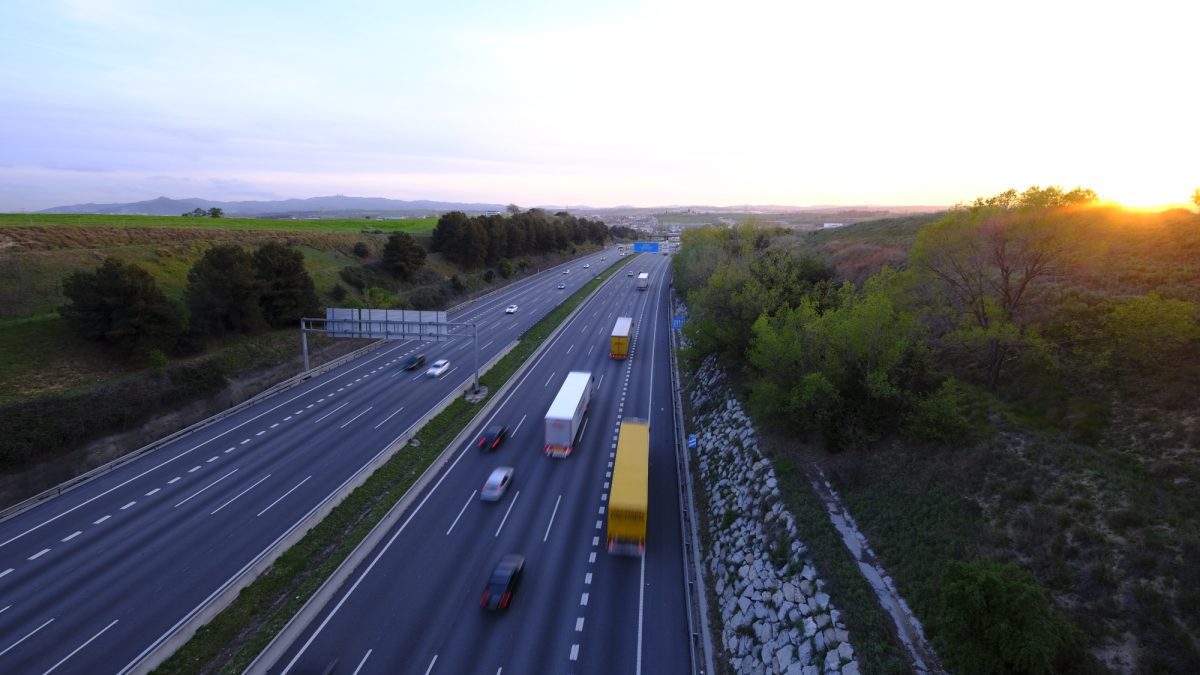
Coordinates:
x,y
641,102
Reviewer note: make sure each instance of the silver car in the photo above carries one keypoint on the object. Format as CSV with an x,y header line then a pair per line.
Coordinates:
x,y
496,484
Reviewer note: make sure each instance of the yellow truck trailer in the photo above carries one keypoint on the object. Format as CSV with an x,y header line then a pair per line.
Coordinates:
x,y
629,496
619,342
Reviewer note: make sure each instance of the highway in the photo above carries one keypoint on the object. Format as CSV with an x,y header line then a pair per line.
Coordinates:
x,y
95,579
412,606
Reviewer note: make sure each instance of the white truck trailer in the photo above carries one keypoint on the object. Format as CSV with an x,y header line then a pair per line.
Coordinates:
x,y
565,416
643,280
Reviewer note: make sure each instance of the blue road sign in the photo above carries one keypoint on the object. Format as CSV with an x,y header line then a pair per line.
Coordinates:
x,y
691,440
677,323
645,247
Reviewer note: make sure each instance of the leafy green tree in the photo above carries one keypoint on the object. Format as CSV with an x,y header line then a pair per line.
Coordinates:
x,y
448,234
848,370
996,619
1147,332
506,268
222,293
216,212
286,290
988,262
403,256
120,305
195,213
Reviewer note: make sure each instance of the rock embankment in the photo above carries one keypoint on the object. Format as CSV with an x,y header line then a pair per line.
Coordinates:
x,y
776,617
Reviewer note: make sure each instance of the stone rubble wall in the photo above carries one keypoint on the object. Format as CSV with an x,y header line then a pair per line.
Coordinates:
x,y
776,616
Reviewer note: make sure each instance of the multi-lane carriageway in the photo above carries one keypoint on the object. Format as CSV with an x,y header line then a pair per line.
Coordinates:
x,y
96,579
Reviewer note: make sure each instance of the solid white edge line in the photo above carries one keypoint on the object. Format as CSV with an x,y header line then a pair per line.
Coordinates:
x,y
363,662
430,668
27,636
239,495
282,496
510,508
205,488
76,651
374,561
462,510
552,514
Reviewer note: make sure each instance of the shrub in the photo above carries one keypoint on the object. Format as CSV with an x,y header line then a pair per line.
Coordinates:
x,y
996,618
939,416
362,250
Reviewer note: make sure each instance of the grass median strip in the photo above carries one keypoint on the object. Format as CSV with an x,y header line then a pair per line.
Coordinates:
x,y
231,641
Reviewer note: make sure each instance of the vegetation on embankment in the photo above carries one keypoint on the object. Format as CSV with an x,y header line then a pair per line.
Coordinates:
x,y
106,320
1011,387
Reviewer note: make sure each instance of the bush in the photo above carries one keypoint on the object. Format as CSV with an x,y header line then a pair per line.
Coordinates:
x,y
489,276
939,416
995,618
506,268
428,297
338,293
362,250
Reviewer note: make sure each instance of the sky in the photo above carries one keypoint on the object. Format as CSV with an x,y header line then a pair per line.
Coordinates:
x,y
590,102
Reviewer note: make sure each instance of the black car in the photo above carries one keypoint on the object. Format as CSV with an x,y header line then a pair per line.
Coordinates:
x,y
415,361
493,437
498,592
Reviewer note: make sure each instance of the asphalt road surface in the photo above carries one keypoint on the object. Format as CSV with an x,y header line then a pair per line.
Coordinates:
x,y
94,580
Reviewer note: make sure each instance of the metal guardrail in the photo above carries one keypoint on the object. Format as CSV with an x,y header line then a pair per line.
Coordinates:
x,y
130,456
311,609
696,595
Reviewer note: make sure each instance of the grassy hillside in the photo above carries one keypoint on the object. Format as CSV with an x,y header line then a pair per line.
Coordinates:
x,y
38,251
1080,467
412,225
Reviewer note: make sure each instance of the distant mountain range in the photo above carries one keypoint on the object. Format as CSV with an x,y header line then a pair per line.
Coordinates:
x,y
339,205
331,206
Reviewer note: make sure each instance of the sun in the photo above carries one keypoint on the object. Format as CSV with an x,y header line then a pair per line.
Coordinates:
x,y
1147,193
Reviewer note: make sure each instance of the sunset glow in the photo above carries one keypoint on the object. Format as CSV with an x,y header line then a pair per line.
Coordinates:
x,y
623,102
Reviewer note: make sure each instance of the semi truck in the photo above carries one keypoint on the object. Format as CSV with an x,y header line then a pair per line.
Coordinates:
x,y
629,495
643,281
619,342
565,416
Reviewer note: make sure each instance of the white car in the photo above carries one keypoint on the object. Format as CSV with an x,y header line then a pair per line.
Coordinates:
x,y
567,271
496,484
511,309
585,266
438,368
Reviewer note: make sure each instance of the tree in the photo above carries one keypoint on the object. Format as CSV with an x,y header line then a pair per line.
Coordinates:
x,y
120,305
216,212
286,290
848,370
995,619
222,293
989,260
403,256
195,213
1196,198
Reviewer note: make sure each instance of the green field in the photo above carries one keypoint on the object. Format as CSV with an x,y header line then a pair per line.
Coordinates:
x,y
315,225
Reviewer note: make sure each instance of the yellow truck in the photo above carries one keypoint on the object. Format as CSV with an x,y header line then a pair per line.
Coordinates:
x,y
619,342
629,495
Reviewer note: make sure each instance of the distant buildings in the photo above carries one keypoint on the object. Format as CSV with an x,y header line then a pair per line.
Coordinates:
x,y
832,225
